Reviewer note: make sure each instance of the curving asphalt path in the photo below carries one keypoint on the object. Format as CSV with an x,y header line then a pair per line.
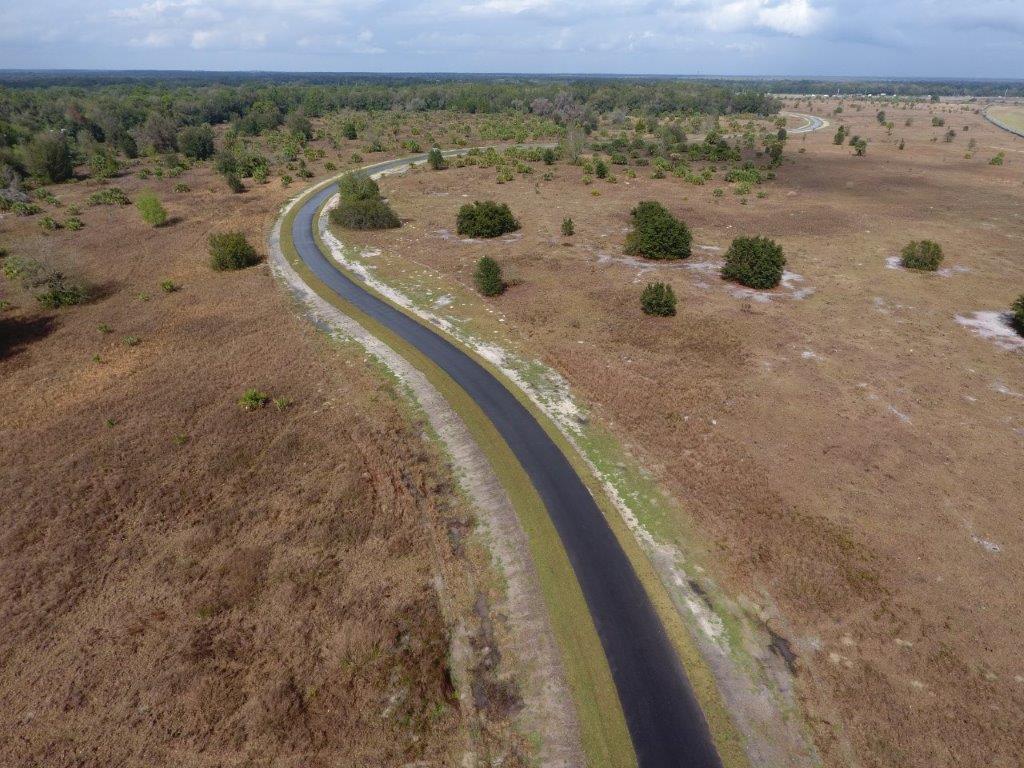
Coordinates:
x,y
812,123
665,722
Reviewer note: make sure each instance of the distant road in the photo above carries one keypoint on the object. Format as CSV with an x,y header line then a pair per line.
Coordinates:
x,y
811,122
665,722
1000,124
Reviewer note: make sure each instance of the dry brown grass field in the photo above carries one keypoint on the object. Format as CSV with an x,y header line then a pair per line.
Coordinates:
x,y
183,582
848,450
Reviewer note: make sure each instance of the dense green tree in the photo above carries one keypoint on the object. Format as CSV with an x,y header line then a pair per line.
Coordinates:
x,y
657,234
231,250
658,299
755,262
488,277
196,142
49,158
485,219
923,255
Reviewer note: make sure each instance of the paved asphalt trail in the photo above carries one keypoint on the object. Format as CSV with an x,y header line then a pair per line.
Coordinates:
x,y
665,722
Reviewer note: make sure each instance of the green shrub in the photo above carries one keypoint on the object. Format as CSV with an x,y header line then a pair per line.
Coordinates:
x,y
997,159
364,214
568,228
48,157
168,286
153,212
755,262
182,187
103,165
1017,314
25,209
485,219
436,160
658,299
73,224
549,156
111,196
253,400
59,290
924,255
349,131
600,169
196,142
358,186
657,234
25,270
230,250
49,224
488,277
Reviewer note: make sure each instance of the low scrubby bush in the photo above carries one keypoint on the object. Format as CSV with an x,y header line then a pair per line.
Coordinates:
x,y
234,183
658,299
485,219
230,250
657,234
488,277
111,196
436,160
924,255
568,228
364,214
756,262
59,290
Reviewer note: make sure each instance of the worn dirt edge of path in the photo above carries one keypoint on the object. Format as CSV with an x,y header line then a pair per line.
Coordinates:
x,y
549,712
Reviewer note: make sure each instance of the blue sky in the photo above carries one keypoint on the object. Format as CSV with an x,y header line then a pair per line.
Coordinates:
x,y
910,38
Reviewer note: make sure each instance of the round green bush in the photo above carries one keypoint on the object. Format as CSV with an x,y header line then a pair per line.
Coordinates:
x,y
196,141
364,214
486,219
657,234
436,159
358,186
922,254
230,250
755,262
658,299
488,277
1017,314
153,212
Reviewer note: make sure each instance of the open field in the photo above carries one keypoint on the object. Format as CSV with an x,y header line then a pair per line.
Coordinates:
x,y
847,449
186,582
1011,116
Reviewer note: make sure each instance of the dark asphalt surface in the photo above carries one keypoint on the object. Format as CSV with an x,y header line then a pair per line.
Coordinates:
x,y
665,722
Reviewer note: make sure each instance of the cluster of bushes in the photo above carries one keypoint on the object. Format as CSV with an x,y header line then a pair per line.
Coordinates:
x,y
485,219
924,255
756,262
657,234
360,205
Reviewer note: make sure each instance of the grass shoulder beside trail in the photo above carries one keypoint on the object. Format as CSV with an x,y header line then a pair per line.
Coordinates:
x,y
605,737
